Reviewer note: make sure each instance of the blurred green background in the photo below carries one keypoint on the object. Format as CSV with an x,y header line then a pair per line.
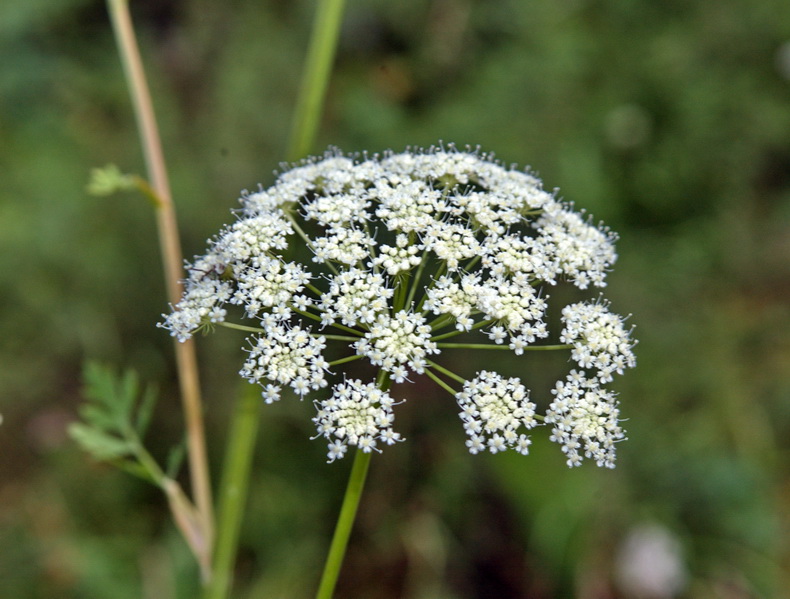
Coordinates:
x,y
668,120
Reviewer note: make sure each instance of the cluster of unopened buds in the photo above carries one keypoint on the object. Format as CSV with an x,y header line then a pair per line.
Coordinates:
x,y
386,259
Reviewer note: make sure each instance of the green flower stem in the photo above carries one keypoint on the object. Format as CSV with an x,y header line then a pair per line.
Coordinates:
x,y
337,337
417,275
348,512
320,56
446,372
437,275
245,424
314,289
240,327
454,333
479,325
345,360
371,249
233,491
472,263
345,522
342,327
441,321
299,230
399,301
309,315
307,242
490,346
441,383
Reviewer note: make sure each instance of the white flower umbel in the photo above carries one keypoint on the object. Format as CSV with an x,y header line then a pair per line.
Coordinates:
x,y
382,260
401,257
357,414
456,299
493,410
600,341
267,283
395,342
287,356
585,420
355,296
514,304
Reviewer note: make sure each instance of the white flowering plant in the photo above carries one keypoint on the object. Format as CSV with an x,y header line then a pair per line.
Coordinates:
x,y
351,274
409,253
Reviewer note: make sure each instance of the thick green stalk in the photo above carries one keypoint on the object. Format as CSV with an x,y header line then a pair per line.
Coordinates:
x,y
233,491
345,523
320,56
244,429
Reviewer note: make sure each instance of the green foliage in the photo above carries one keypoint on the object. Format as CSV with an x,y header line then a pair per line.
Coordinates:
x,y
114,420
109,180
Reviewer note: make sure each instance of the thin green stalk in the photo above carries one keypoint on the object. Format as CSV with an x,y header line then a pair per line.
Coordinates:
x,y
298,230
337,337
317,318
489,346
345,360
348,512
233,491
371,248
455,333
399,301
471,264
343,327
441,321
307,314
440,382
145,458
320,56
345,523
444,371
240,327
437,275
307,240
314,289
417,276
200,540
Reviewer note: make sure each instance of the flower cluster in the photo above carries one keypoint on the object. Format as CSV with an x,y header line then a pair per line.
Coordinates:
x,y
600,341
384,259
585,419
393,342
493,409
287,356
356,414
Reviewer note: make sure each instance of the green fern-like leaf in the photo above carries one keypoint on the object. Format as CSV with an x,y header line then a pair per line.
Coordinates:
x,y
99,444
114,419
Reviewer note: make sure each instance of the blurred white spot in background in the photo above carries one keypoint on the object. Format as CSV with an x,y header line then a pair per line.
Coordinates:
x,y
783,60
649,564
